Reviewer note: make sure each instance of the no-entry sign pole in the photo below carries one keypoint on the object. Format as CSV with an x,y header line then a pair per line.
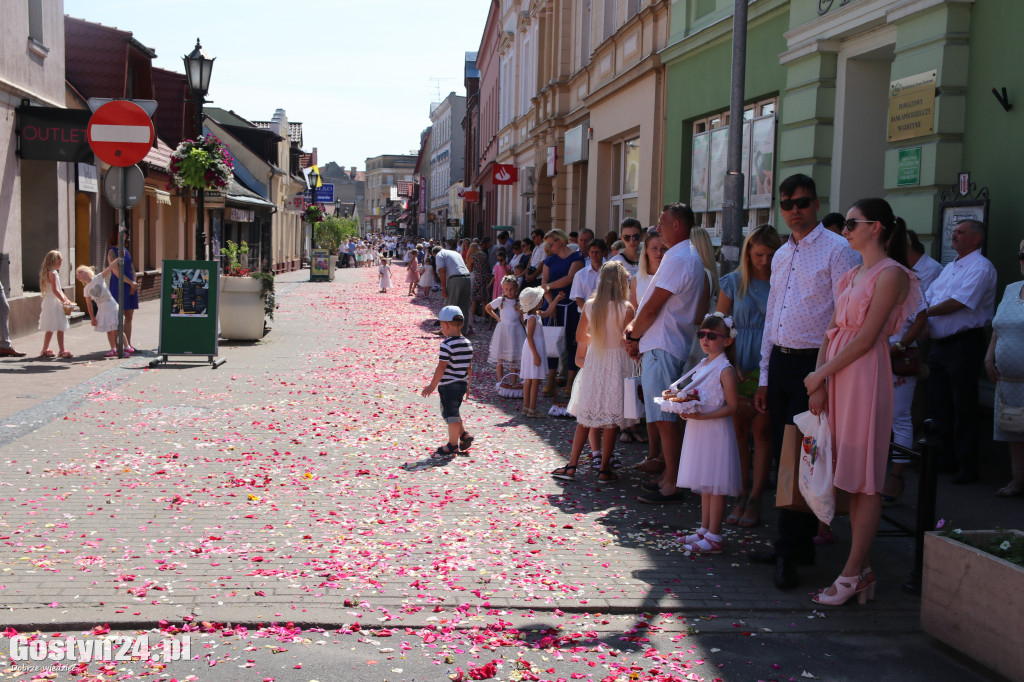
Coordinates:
x,y
121,133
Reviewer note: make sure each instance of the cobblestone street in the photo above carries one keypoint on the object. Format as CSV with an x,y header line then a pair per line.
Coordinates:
x,y
293,485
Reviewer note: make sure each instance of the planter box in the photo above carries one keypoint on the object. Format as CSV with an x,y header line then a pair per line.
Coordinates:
x,y
973,601
241,308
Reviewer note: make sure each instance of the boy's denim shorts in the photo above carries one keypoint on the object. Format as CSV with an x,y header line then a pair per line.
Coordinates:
x,y
451,399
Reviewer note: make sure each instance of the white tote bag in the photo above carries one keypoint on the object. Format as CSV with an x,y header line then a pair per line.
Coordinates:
x,y
632,390
815,475
554,338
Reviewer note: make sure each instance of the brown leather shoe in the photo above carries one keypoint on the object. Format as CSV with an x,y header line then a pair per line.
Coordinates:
x,y
10,352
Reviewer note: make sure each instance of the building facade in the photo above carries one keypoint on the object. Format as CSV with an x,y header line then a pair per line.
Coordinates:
x,y
447,154
382,173
826,95
37,195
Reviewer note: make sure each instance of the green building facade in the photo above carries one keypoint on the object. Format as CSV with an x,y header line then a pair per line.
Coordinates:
x,y
889,98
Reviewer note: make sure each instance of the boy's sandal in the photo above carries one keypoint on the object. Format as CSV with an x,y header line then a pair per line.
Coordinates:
x,y
446,450
610,477
566,473
465,440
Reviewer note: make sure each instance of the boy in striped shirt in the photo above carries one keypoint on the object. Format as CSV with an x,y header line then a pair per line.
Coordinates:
x,y
451,379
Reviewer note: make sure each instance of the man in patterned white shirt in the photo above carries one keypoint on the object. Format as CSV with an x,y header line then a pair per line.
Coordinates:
x,y
805,271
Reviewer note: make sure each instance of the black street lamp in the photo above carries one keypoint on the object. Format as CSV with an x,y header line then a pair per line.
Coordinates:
x,y
198,67
314,180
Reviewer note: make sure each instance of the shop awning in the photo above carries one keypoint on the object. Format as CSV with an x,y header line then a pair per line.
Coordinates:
x,y
240,195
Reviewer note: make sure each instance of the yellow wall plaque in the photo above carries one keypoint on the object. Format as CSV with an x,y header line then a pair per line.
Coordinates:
x,y
912,106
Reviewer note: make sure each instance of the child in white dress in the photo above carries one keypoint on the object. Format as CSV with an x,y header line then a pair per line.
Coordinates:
x,y
53,314
104,319
384,273
509,333
709,463
533,363
427,275
597,393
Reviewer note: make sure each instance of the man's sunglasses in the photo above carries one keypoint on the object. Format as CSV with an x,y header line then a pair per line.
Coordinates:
x,y
801,203
630,237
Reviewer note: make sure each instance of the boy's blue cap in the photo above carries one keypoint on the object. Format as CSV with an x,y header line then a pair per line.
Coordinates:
x,y
450,313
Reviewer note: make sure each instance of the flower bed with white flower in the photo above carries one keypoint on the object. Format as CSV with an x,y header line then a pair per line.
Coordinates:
x,y
1004,544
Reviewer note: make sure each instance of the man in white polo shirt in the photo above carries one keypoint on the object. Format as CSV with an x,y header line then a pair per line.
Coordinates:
x,y
662,334
962,302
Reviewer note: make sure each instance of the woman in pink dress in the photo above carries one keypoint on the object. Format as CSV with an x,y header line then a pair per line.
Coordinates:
x,y
872,301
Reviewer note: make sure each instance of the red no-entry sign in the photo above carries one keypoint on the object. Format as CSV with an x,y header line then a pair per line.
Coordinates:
x,y
120,133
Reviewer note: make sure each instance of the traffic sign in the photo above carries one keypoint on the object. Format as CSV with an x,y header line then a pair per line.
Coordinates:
x,y
132,190
120,133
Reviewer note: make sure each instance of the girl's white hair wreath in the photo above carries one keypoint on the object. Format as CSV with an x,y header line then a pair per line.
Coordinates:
x,y
727,320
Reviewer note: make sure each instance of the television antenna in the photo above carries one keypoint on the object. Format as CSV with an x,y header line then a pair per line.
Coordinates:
x,y
437,86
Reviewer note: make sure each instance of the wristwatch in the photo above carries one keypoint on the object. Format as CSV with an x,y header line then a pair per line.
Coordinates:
x,y
900,347
630,338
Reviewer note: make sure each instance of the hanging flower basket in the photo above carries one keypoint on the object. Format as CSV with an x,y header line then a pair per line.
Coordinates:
x,y
314,213
201,164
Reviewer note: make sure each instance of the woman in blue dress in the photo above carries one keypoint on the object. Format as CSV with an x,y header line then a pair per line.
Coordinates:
x,y
559,269
131,301
744,296
1004,364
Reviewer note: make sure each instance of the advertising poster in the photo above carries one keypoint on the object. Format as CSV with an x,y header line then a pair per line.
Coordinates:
x,y
320,264
699,172
188,308
762,162
190,292
719,159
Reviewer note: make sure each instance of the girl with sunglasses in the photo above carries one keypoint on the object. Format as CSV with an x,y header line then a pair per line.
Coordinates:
x,y
709,462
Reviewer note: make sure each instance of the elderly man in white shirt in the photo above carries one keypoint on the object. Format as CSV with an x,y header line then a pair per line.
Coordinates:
x,y
961,302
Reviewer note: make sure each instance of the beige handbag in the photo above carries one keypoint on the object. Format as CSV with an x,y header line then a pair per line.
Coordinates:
x,y
1008,418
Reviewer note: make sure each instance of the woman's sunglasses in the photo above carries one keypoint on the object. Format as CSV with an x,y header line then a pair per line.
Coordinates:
x,y
710,336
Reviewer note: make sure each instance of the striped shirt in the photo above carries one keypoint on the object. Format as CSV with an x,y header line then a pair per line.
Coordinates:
x,y
457,351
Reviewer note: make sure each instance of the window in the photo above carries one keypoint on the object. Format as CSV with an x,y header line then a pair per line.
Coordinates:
x,y
585,28
35,21
709,161
625,181
609,19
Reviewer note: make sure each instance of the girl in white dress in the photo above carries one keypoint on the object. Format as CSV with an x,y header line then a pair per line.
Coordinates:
x,y
509,334
384,271
709,463
427,275
533,363
104,319
597,398
53,315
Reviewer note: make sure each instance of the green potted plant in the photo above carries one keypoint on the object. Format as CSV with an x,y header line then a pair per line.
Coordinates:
x,y
973,592
246,297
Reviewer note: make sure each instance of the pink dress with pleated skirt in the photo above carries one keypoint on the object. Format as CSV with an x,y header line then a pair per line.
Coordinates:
x,y
860,396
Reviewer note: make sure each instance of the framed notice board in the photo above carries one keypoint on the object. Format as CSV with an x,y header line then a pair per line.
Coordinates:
x,y
188,308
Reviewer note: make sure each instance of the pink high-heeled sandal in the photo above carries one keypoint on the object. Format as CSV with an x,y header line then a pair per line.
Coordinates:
x,y
846,588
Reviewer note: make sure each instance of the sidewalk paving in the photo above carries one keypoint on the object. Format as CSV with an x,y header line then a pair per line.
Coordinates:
x,y
294,484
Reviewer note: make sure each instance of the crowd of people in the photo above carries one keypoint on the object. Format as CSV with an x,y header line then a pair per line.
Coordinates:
x,y
834,319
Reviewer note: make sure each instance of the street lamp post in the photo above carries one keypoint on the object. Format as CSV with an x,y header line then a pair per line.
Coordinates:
x,y
314,180
198,67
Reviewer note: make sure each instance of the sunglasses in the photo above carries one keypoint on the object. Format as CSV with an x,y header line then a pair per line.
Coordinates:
x,y
1021,255
801,203
710,336
851,224
630,237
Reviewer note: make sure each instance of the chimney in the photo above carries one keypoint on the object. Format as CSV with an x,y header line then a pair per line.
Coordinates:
x,y
352,174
